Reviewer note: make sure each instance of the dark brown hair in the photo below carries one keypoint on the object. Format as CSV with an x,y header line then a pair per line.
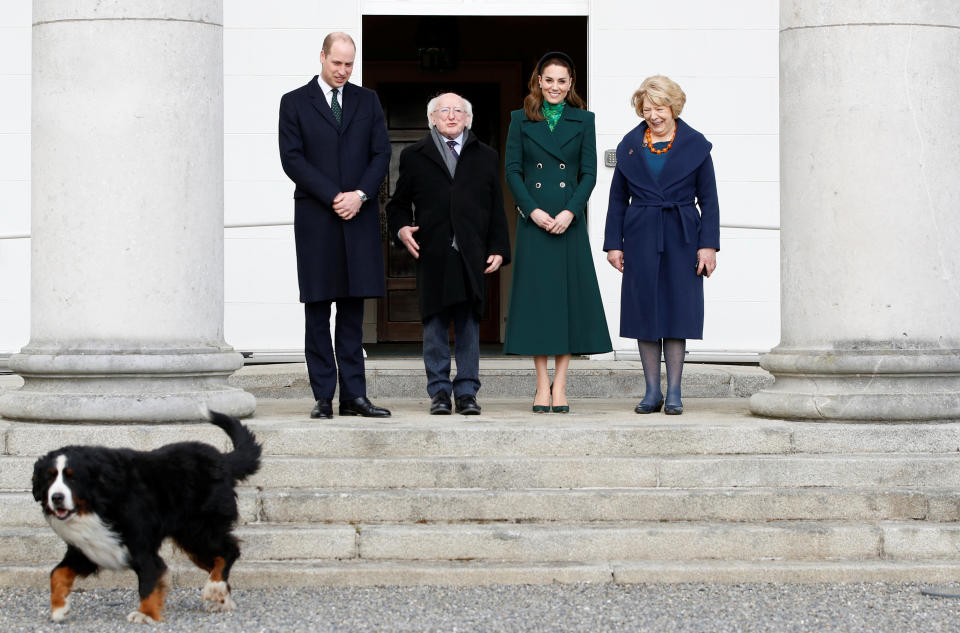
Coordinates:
x,y
534,101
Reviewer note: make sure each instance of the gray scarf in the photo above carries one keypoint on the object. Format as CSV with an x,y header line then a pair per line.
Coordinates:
x,y
448,158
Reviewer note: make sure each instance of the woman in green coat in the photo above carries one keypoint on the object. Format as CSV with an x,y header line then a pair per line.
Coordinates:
x,y
551,165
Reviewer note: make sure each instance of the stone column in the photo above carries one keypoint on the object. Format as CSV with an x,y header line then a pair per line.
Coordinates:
x,y
870,213
127,215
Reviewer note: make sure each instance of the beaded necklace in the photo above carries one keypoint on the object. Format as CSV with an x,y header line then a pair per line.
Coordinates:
x,y
648,141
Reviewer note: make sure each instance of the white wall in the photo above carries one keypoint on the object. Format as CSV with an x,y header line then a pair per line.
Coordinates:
x,y
724,55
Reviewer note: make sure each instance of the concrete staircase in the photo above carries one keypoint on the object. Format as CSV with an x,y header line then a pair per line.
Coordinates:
x,y
599,495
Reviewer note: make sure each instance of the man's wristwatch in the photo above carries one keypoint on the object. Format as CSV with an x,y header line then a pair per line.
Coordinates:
x,y
363,196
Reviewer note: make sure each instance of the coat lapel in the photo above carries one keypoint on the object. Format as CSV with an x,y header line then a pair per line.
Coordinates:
x,y
568,127
349,105
428,148
539,132
689,150
319,102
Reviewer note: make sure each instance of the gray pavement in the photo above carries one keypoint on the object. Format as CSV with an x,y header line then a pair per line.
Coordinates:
x,y
708,608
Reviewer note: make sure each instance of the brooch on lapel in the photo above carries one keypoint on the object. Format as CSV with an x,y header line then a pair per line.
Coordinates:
x,y
630,153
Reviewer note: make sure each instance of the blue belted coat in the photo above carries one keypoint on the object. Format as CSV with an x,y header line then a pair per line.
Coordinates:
x,y
657,224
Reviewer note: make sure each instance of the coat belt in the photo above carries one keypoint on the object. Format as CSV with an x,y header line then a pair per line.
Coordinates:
x,y
666,205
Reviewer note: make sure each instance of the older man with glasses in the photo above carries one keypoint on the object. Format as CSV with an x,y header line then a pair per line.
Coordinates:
x,y
447,211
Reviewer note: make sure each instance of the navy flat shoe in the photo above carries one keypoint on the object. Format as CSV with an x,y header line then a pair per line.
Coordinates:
x,y
649,408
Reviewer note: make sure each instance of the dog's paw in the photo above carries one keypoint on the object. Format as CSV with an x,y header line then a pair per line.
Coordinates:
x,y
139,617
60,614
217,597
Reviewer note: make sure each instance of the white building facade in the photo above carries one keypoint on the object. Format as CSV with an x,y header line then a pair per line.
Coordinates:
x,y
724,55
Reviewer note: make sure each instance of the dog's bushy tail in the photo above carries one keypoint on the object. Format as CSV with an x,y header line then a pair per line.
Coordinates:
x,y
244,460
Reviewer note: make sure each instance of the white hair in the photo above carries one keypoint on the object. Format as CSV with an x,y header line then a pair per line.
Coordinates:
x,y
432,105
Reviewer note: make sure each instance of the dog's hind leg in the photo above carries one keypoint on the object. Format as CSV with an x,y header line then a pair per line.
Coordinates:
x,y
151,574
74,564
216,592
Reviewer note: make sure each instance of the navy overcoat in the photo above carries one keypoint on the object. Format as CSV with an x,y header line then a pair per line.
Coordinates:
x,y
335,258
658,226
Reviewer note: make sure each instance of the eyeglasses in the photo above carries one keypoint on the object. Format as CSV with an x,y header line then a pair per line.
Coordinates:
x,y
446,111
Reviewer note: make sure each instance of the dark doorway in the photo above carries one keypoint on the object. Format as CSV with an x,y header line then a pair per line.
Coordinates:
x,y
410,59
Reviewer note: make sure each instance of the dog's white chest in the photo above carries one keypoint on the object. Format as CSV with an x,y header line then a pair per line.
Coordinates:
x,y
87,533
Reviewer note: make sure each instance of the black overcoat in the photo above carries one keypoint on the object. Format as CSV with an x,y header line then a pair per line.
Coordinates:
x,y
335,258
659,223
468,206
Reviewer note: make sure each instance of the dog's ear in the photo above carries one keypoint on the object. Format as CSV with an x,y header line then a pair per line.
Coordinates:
x,y
39,477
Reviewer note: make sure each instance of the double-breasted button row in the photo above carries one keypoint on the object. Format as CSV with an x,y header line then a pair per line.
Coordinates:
x,y
538,185
540,166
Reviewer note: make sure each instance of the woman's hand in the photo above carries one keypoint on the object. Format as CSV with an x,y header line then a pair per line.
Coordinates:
x,y
542,219
562,222
616,259
707,259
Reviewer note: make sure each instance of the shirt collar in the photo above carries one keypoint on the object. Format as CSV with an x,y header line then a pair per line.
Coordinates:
x,y
327,88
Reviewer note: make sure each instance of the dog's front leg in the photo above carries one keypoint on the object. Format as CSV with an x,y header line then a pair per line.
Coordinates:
x,y
74,564
151,575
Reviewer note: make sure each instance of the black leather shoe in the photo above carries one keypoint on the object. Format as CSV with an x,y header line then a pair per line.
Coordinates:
x,y
440,404
323,409
673,409
362,406
467,405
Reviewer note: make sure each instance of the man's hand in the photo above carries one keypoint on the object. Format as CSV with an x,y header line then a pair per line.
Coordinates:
x,y
495,261
616,259
406,236
347,204
562,222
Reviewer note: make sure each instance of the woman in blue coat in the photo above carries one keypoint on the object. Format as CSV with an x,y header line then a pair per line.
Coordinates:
x,y
662,233
551,168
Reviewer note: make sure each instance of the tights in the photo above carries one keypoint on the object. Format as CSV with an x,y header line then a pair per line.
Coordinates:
x,y
673,353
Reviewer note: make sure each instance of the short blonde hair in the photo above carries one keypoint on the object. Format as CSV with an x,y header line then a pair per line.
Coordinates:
x,y
661,91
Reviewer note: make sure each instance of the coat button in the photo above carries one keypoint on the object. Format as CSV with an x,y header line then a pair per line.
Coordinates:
x,y
539,165
562,166
562,185
538,185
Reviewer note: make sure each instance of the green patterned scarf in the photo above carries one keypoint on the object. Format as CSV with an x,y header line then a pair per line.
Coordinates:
x,y
552,113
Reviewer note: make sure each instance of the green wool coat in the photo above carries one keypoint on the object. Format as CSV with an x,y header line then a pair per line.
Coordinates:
x,y
555,305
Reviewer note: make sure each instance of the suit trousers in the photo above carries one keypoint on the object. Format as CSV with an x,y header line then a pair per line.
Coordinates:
x,y
344,356
436,351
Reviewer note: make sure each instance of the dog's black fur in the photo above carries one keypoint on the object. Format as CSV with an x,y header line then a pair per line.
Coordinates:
x,y
114,508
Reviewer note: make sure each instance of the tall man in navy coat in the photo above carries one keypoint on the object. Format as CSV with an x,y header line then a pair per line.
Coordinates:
x,y
334,147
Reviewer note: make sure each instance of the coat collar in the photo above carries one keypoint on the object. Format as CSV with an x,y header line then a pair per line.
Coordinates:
x,y
319,101
428,148
689,150
567,128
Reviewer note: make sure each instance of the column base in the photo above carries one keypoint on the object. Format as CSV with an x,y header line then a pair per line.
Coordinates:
x,y
875,385
171,386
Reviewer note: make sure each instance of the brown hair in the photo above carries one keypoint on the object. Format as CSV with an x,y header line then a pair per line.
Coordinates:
x,y
534,101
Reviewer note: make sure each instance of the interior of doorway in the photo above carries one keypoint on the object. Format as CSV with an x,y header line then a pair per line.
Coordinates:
x,y
487,59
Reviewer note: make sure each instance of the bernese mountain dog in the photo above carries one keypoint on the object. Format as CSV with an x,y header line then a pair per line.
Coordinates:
x,y
114,508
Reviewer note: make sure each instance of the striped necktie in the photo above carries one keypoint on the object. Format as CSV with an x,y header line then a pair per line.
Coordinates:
x,y
453,148
335,106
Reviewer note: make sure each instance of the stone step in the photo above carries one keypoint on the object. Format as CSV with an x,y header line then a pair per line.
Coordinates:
x,y
905,471
339,505
560,542
505,377
508,428
611,472
606,504
249,574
